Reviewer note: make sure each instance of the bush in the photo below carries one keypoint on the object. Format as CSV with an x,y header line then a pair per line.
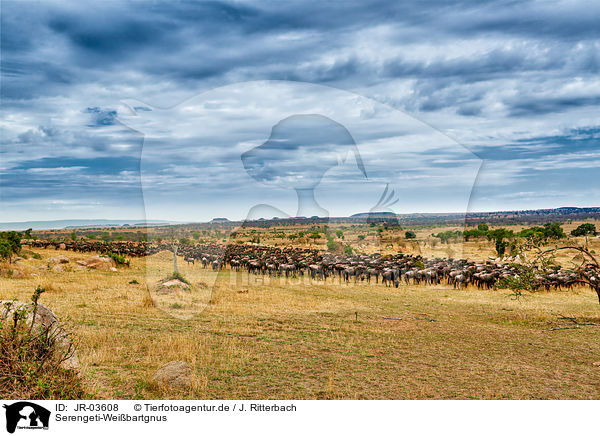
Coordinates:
x,y
30,361
410,234
178,276
447,235
419,264
119,259
332,245
548,231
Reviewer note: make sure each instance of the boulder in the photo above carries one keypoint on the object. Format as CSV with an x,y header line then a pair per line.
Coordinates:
x,y
174,286
100,263
15,271
59,268
62,246
57,259
175,283
174,375
44,318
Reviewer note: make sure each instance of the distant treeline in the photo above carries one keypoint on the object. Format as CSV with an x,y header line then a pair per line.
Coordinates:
x,y
501,236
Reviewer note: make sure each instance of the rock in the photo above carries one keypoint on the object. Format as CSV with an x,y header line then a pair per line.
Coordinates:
x,y
100,263
58,259
15,271
113,269
44,318
175,282
62,246
596,363
173,286
18,259
174,375
59,268
80,268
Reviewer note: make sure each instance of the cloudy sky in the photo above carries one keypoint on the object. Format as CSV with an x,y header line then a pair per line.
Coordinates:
x,y
133,109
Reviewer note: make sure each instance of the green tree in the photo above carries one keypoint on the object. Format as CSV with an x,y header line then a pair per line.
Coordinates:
x,y
554,231
10,243
585,230
474,233
410,234
5,250
483,227
499,236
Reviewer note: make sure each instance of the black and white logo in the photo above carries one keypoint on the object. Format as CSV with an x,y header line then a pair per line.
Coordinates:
x,y
26,415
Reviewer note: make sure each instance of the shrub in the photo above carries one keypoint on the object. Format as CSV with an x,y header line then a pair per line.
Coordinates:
x,y
419,264
119,259
178,276
548,231
332,245
30,361
447,235
410,234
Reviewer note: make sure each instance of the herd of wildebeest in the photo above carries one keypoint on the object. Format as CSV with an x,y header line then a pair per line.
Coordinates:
x,y
390,270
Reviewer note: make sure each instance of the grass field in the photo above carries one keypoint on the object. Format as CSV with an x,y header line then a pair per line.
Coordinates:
x,y
250,338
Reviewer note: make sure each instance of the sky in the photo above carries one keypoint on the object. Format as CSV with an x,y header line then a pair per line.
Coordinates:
x,y
186,111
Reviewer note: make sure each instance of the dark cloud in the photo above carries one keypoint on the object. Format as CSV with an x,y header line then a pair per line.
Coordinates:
x,y
459,65
574,141
542,106
101,117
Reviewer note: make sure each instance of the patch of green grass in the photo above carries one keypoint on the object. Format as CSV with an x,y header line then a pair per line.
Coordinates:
x,y
178,276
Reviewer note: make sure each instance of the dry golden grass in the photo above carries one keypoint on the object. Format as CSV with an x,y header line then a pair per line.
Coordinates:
x,y
249,337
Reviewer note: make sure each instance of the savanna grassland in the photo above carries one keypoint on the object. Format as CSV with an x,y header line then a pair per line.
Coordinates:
x,y
254,337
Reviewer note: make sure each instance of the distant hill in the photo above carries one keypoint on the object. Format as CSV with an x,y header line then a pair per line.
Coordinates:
x,y
472,218
374,215
63,224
